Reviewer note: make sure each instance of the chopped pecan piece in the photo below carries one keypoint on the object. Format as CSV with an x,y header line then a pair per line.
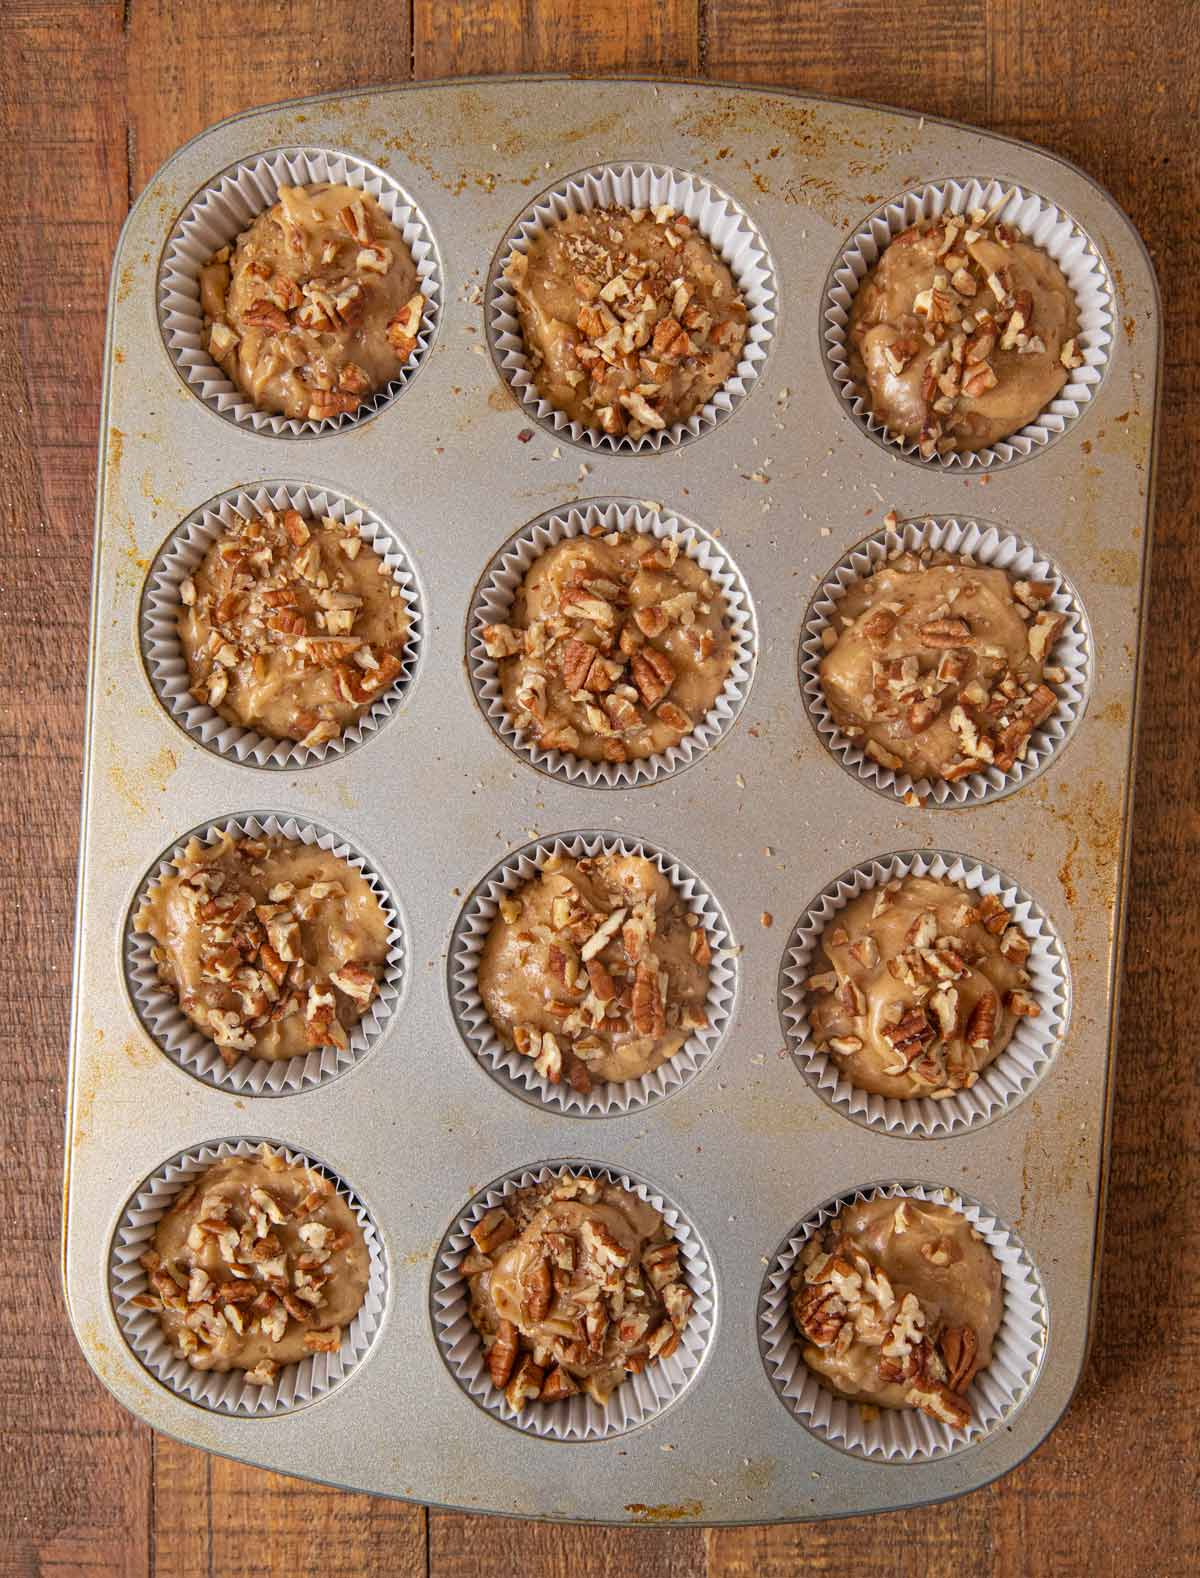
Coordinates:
x,y
502,1354
653,674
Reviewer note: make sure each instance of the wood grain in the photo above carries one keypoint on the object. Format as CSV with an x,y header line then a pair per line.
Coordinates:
x,y
104,92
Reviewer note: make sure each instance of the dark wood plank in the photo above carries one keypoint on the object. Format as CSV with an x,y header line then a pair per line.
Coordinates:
x,y
480,36
193,64
74,1468
215,1517
932,57
468,1547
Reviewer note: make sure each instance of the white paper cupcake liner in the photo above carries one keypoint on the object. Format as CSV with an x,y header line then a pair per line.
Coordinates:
x,y
639,1398
1007,1080
165,1022
217,214
517,1073
728,229
1038,221
296,1384
907,1435
980,543
492,604
162,650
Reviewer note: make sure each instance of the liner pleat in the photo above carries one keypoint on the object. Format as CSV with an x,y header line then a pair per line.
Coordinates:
x,y
165,1022
1038,221
980,543
1007,1080
907,1435
162,650
296,1384
579,1418
217,214
728,229
517,1073
492,604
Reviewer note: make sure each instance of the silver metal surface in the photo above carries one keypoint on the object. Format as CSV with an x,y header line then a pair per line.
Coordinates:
x,y
435,799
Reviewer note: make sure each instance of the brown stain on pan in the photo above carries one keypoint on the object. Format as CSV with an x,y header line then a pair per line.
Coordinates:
x,y
664,1511
132,786
1089,810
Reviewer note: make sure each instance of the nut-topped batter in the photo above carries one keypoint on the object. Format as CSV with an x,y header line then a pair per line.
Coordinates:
x,y
940,666
256,1265
615,647
595,969
272,947
292,627
962,333
899,1302
631,320
316,305
918,986
574,1284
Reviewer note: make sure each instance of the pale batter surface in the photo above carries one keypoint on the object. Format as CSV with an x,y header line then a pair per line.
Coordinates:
x,y
256,1265
316,306
615,647
631,320
592,970
899,1302
272,947
292,627
962,333
918,986
939,666
574,1284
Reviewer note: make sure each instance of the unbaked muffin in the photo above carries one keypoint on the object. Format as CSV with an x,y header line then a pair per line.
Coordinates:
x,y
574,1284
962,333
315,307
631,320
292,627
595,969
271,946
256,1265
918,986
940,667
899,1302
615,647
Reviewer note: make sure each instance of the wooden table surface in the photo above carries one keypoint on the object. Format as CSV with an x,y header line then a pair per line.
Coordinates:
x,y
94,97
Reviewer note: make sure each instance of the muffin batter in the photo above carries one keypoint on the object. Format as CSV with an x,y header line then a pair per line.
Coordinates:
x,y
939,666
900,1301
316,306
962,333
272,947
292,627
256,1265
593,970
631,320
574,1284
918,986
615,647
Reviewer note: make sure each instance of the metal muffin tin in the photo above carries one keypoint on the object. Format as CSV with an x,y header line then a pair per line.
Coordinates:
x,y
435,799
